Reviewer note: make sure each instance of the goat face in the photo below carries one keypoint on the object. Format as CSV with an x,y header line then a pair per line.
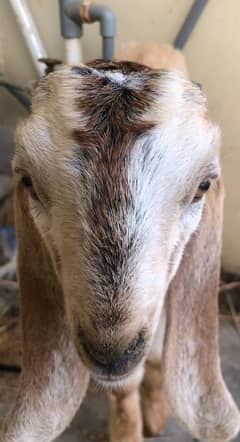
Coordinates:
x,y
115,159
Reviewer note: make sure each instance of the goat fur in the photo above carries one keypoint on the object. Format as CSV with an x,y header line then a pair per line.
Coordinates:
x,y
54,379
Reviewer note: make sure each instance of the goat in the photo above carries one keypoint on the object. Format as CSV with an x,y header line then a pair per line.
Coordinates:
x,y
154,55
118,209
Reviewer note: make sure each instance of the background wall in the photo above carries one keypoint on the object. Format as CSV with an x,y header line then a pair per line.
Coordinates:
x,y
213,56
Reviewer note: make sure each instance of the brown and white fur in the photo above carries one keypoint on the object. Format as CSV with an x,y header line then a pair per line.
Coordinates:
x,y
118,254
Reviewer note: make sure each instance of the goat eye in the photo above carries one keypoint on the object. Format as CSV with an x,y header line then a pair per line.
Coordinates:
x,y
203,188
27,182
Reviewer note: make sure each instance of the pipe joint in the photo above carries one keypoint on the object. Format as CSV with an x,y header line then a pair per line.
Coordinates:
x,y
106,18
76,12
71,25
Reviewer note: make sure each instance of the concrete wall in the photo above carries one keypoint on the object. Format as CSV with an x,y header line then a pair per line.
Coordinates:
x,y
213,55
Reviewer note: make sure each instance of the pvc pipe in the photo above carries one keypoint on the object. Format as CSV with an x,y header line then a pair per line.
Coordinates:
x,y
73,50
71,26
77,12
107,21
30,33
107,48
106,18
17,92
189,23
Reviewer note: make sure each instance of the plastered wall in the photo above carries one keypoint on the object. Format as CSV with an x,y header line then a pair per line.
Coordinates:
x,y
213,55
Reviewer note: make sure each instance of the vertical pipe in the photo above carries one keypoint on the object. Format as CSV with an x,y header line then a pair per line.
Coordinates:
x,y
188,25
30,33
71,31
107,48
73,50
107,21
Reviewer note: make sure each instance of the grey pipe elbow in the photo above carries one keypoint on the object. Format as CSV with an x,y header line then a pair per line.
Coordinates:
x,y
71,26
106,17
107,20
74,13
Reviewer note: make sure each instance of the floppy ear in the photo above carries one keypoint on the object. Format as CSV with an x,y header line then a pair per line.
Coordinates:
x,y
193,380
53,380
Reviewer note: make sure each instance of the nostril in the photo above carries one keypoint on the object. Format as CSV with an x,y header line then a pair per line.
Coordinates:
x,y
96,355
138,342
100,355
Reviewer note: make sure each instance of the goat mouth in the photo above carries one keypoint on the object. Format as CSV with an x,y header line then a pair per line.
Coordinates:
x,y
109,373
108,376
108,366
110,379
110,382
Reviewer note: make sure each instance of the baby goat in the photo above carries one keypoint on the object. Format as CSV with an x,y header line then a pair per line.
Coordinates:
x,y
118,203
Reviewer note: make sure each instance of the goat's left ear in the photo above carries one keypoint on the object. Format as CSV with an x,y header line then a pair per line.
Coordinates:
x,y
194,385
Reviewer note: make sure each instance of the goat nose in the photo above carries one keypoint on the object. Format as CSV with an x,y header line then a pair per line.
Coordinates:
x,y
114,360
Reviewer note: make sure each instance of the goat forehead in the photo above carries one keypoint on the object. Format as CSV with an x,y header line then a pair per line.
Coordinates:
x,y
111,107
123,96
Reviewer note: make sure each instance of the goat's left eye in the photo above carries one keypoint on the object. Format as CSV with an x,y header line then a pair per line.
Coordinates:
x,y
202,189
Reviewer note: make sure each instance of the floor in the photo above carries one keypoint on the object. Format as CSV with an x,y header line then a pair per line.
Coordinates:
x,y
91,421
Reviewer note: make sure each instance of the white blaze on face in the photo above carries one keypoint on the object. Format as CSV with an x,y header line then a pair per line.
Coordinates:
x,y
165,171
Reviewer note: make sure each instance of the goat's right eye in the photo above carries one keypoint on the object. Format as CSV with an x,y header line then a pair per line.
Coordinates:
x,y
26,181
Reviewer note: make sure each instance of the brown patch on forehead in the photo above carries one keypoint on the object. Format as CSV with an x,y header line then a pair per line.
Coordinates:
x,y
114,108
126,67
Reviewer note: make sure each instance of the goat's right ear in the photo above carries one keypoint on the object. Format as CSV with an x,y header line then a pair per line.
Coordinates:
x,y
53,380
194,385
